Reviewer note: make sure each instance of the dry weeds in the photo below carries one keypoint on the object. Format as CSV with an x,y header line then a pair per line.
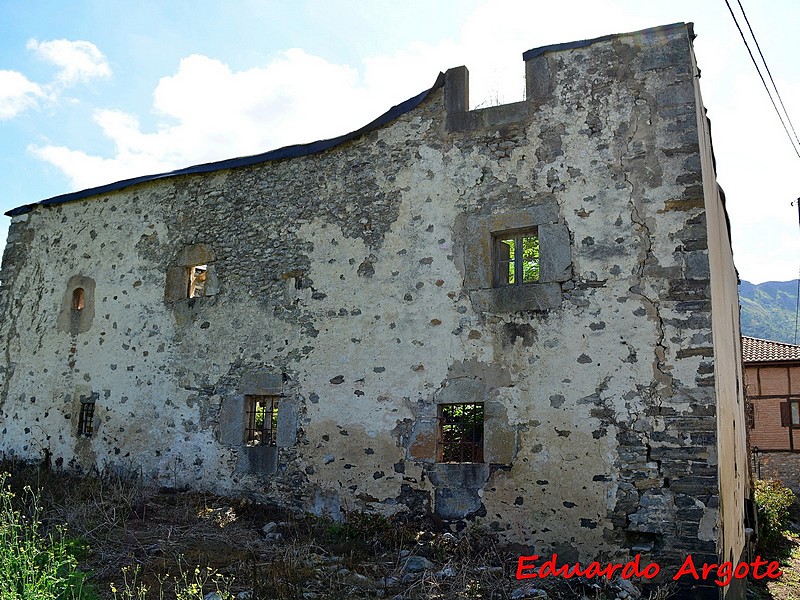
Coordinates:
x,y
123,525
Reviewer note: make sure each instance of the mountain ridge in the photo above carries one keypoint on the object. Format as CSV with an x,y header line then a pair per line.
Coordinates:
x,y
768,310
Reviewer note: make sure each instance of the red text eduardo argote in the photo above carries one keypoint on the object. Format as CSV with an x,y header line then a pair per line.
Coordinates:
x,y
530,567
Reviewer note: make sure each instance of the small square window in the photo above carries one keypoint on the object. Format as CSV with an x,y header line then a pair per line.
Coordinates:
x,y
460,436
516,257
86,418
262,420
192,274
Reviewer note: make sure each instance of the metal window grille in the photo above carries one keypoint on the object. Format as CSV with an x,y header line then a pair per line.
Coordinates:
x,y
86,419
460,438
516,257
262,420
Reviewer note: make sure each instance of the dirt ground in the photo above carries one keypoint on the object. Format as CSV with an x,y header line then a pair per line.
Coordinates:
x,y
128,536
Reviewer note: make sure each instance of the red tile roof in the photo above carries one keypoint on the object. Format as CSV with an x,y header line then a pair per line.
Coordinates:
x,y
756,350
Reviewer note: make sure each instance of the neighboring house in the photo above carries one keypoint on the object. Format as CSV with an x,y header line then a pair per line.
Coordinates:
x,y
525,314
772,386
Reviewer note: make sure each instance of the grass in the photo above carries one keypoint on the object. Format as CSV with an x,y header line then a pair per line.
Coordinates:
x,y
787,586
36,563
779,539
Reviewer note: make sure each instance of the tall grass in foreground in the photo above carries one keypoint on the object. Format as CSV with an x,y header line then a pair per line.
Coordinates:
x,y
34,565
186,586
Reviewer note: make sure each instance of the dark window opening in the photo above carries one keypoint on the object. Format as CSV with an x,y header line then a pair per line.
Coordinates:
x,y
790,413
262,420
78,300
196,285
86,418
516,258
460,438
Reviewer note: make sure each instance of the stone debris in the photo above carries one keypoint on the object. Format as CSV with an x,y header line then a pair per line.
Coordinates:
x,y
529,591
416,564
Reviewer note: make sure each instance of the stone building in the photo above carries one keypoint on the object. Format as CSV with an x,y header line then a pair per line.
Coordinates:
x,y
772,385
524,315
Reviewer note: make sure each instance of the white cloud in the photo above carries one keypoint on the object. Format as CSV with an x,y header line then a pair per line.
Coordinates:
x,y
296,97
79,60
209,112
83,169
17,93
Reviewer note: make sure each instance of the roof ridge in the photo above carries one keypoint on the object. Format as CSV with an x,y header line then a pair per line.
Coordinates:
x,y
750,337
761,350
292,151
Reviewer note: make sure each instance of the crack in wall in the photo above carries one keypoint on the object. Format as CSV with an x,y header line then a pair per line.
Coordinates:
x,y
646,256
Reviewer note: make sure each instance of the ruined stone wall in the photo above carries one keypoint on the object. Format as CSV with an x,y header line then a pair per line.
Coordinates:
x,y
356,283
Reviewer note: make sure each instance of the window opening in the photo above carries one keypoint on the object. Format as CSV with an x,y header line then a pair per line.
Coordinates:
x,y
516,257
86,418
197,281
790,413
460,438
790,417
78,301
262,420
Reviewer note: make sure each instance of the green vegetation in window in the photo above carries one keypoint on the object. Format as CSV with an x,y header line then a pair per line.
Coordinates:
x,y
530,258
265,420
461,432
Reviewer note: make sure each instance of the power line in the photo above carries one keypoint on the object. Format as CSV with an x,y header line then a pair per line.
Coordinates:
x,y
763,81
780,117
766,66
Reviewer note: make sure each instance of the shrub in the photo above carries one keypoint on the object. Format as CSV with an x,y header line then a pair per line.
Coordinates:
x,y
34,565
773,500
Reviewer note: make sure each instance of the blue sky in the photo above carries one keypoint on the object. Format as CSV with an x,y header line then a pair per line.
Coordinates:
x,y
93,91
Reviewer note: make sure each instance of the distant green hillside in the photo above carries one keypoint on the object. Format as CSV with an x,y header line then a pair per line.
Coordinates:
x,y
768,310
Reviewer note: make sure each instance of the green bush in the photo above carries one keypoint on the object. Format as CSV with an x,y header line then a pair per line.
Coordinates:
x,y
34,565
773,500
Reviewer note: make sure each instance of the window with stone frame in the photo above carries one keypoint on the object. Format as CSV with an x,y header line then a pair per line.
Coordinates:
x,y
460,433
261,425
515,257
514,261
192,274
